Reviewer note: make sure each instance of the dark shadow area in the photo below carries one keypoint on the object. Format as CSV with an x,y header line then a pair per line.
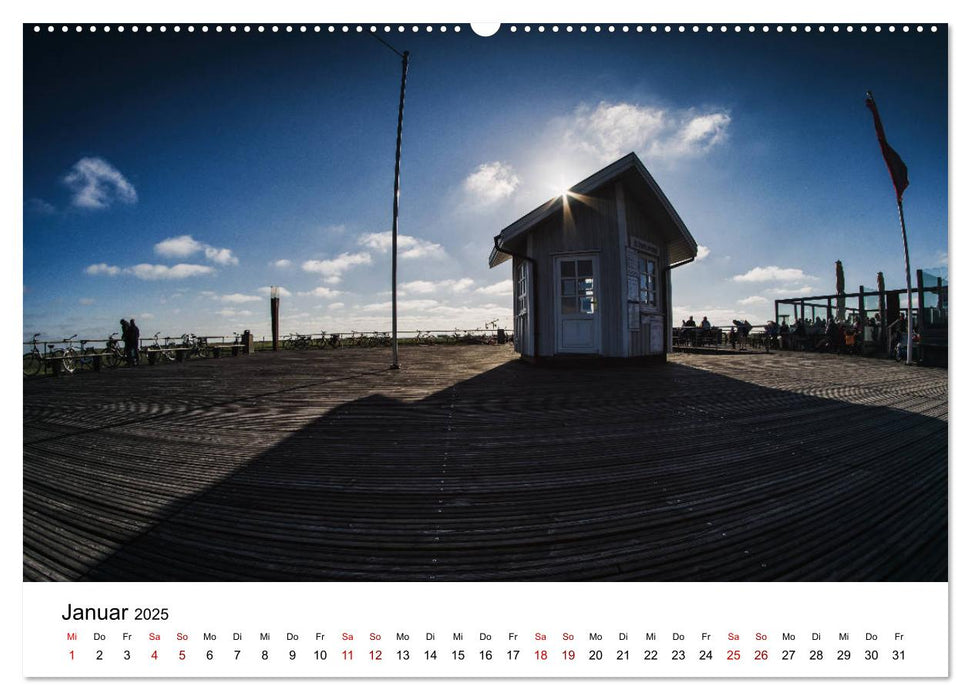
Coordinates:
x,y
526,473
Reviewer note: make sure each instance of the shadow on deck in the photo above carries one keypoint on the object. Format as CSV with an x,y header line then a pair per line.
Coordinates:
x,y
673,472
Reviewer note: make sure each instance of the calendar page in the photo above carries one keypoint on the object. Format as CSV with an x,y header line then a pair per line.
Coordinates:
x,y
554,353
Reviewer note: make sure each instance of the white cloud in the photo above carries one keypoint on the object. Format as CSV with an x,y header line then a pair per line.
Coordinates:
x,y
102,269
282,263
426,287
703,252
754,299
407,305
235,313
409,247
789,292
322,292
333,269
185,246
178,247
503,287
85,301
491,182
282,291
239,298
145,316
610,130
221,256
146,271
96,184
336,306
773,273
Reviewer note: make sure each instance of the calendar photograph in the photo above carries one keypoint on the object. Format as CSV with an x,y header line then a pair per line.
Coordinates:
x,y
520,303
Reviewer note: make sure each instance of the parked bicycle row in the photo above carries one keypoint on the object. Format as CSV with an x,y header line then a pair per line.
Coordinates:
x,y
311,341
72,354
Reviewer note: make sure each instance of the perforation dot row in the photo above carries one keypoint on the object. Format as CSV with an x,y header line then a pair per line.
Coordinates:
x,y
414,28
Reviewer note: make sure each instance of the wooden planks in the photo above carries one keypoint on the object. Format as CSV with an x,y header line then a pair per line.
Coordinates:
x,y
470,465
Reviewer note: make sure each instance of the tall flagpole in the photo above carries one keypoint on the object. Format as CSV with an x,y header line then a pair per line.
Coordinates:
x,y
394,221
910,302
394,214
898,175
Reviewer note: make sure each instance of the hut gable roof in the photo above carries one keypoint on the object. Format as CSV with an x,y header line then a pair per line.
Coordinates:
x,y
640,184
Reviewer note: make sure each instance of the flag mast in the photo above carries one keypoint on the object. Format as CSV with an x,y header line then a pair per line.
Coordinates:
x,y
898,174
910,303
394,210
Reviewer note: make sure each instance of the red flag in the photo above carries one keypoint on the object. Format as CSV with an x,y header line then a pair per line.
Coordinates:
x,y
898,171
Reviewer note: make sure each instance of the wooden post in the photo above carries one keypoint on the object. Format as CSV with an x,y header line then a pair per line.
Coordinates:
x,y
920,301
275,316
882,292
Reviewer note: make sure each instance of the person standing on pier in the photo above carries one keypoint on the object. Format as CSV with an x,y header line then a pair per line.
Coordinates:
x,y
126,339
133,335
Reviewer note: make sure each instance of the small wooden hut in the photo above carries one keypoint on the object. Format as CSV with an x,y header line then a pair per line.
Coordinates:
x,y
592,268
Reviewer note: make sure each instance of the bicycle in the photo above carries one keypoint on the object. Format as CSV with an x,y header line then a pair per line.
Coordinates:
x,y
195,346
68,357
113,354
381,338
34,360
86,356
163,352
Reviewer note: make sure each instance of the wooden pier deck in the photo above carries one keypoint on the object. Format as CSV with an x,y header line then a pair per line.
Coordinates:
x,y
470,465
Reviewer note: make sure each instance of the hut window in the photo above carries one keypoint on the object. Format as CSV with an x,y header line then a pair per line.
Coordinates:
x,y
647,279
576,287
522,285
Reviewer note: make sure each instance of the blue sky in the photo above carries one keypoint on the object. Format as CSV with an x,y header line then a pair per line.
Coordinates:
x,y
174,177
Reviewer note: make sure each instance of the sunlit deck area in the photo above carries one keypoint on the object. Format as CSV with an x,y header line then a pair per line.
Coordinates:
x,y
468,464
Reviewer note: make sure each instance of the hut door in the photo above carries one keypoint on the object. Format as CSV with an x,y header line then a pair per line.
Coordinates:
x,y
523,331
577,307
